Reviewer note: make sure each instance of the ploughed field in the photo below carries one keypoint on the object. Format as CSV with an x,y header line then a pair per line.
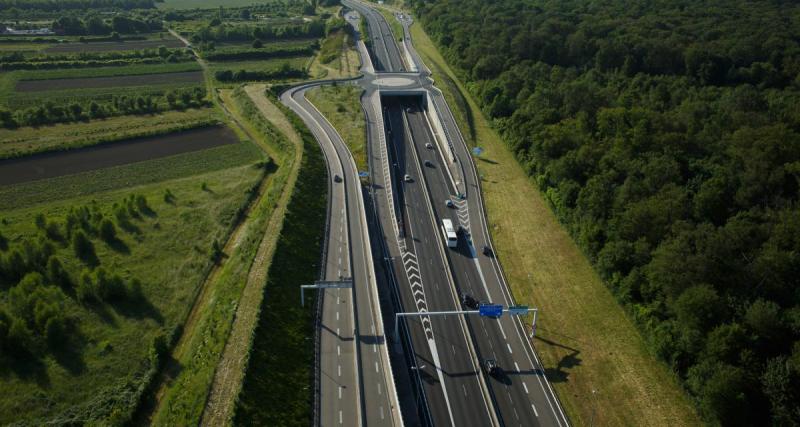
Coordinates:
x,y
49,165
108,82
113,46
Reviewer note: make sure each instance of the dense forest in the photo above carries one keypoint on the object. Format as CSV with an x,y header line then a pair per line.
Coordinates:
x,y
64,5
665,134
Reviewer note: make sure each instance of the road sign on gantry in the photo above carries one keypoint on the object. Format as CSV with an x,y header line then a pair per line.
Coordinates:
x,y
491,310
518,310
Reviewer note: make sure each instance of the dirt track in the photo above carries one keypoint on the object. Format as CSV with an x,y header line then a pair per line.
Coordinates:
x,y
50,165
113,46
109,82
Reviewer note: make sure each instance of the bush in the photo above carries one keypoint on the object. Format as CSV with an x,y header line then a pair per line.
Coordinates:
x,y
141,204
108,232
53,231
56,273
84,248
86,289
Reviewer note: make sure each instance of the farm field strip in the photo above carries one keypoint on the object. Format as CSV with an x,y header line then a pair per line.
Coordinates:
x,y
113,178
109,82
112,46
50,165
29,140
263,65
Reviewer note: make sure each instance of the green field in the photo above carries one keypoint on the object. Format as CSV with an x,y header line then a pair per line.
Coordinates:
x,y
95,374
341,105
29,140
19,100
299,62
207,4
134,174
282,338
181,401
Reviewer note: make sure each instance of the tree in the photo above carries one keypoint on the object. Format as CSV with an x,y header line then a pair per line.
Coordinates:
x,y
699,307
257,44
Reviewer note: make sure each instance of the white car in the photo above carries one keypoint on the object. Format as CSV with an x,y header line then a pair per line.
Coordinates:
x,y
407,178
429,146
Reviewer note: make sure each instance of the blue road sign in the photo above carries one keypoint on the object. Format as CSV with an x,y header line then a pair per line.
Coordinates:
x,y
363,174
491,310
518,310
477,151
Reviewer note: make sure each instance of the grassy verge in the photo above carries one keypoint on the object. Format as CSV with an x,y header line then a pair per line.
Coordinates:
x,y
141,173
99,378
183,398
29,140
592,353
230,370
277,386
341,105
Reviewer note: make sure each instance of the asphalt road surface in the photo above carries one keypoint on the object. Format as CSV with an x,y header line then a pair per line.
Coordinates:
x,y
442,356
359,389
521,394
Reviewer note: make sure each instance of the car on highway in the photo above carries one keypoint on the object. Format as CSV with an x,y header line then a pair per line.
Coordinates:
x,y
428,163
449,203
429,146
469,302
407,178
492,368
408,110
487,251
337,178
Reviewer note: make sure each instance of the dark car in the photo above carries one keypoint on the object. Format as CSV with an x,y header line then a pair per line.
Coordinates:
x,y
492,368
428,163
487,251
337,178
469,302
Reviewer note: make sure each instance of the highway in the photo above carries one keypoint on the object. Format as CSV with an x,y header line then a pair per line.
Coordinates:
x,y
355,364
386,238
386,53
522,395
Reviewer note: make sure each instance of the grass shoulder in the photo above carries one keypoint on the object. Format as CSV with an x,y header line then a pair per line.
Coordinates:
x,y
592,353
282,396
341,105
